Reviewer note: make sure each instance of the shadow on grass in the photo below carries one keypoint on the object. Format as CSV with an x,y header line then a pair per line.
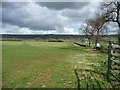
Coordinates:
x,y
78,80
70,48
102,70
87,81
91,79
114,83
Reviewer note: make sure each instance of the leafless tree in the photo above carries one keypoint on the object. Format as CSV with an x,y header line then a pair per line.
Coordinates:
x,y
88,30
99,24
111,11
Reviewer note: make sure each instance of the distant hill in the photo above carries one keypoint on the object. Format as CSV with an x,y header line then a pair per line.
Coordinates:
x,y
45,36
42,36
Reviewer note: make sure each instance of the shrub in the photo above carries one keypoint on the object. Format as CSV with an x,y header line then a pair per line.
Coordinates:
x,y
55,40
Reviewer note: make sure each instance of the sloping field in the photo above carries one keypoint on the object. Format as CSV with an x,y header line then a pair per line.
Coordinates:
x,y
53,65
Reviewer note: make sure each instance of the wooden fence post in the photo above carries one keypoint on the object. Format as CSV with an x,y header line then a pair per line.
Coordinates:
x,y
109,60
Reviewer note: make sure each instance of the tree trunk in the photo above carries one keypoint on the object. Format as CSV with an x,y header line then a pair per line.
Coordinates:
x,y
119,34
97,36
89,42
118,20
96,41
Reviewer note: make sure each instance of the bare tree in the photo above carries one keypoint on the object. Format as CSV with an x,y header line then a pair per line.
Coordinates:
x,y
111,11
98,23
88,30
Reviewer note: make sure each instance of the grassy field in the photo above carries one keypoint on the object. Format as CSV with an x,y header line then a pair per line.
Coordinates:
x,y
52,65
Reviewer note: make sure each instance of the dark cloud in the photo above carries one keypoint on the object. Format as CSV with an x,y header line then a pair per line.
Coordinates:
x,y
10,5
30,15
76,15
16,14
63,5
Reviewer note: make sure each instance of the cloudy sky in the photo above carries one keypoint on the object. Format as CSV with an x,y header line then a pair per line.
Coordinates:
x,y
46,17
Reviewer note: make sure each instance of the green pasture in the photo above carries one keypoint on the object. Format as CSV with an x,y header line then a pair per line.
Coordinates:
x,y
31,64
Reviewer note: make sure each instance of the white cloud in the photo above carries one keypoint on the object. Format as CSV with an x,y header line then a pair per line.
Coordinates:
x,y
113,29
31,18
69,31
8,29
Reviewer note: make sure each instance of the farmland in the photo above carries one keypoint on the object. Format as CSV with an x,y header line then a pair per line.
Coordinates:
x,y
31,64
